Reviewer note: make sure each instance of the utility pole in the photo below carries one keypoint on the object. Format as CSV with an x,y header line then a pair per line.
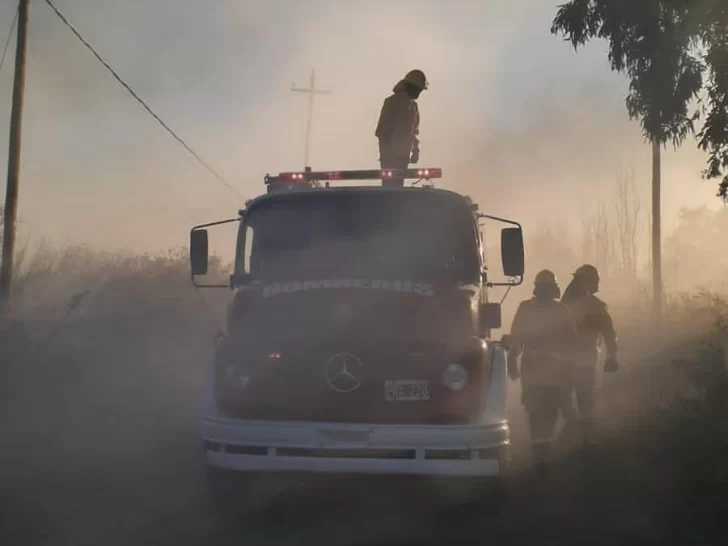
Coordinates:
x,y
312,91
11,193
656,229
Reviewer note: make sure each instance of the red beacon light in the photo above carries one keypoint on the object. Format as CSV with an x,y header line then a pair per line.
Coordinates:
x,y
286,178
418,174
292,176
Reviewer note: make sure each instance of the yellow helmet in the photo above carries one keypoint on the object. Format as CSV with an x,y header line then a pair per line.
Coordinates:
x,y
417,78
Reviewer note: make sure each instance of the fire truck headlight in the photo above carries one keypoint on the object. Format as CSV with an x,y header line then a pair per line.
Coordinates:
x,y
455,377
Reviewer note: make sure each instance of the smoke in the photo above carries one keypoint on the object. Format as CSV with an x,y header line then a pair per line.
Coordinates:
x,y
529,129
514,117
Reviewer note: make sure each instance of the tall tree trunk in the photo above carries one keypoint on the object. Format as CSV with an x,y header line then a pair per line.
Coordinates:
x,y
656,230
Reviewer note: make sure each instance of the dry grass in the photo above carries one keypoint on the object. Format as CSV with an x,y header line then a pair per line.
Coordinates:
x,y
100,399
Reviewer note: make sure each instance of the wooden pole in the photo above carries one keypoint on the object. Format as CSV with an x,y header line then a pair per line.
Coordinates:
x,y
11,193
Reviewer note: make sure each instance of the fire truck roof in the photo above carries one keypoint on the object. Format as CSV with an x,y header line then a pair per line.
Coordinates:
x,y
291,190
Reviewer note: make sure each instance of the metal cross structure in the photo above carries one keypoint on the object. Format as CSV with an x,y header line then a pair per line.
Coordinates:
x,y
312,91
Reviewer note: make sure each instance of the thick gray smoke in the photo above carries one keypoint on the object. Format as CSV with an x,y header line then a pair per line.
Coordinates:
x,y
513,115
100,401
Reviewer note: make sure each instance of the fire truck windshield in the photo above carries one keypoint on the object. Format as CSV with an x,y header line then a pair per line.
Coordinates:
x,y
418,234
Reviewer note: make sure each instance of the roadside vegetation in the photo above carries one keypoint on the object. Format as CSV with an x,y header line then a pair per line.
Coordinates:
x,y
103,358
102,362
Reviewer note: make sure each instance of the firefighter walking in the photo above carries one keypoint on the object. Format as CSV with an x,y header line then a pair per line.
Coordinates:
x,y
592,320
543,334
399,126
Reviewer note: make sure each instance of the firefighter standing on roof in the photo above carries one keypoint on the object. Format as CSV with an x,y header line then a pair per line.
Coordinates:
x,y
399,125
544,334
592,320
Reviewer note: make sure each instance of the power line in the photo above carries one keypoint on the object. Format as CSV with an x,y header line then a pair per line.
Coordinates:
x,y
139,99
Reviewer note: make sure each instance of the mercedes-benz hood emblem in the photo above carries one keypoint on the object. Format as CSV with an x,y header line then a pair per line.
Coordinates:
x,y
343,371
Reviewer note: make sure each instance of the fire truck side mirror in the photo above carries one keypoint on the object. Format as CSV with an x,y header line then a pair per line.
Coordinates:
x,y
198,252
489,317
512,251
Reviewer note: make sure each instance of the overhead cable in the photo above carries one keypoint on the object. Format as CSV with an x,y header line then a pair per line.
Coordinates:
x,y
140,100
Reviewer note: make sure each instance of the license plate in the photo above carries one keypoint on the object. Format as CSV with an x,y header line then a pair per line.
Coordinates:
x,y
406,390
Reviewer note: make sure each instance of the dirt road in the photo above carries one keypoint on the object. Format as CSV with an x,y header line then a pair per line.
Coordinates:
x,y
600,497
110,455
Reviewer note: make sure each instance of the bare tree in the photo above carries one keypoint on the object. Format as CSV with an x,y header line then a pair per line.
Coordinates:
x,y
597,240
549,246
587,240
693,258
627,209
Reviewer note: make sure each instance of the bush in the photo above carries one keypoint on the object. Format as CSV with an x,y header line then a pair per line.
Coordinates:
x,y
104,354
99,348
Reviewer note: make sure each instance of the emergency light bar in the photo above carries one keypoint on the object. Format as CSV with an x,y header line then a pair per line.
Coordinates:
x,y
373,174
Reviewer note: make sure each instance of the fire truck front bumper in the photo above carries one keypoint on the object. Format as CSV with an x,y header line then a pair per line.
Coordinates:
x,y
334,448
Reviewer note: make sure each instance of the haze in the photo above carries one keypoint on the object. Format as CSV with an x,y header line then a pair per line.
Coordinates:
x,y
513,115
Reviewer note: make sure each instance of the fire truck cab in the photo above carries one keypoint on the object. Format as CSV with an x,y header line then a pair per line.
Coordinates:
x,y
358,338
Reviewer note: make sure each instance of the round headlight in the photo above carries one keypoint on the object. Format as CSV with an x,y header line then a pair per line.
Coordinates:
x,y
455,377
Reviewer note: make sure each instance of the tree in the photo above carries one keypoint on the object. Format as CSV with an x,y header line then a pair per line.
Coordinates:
x,y
549,246
672,51
691,249
627,213
597,244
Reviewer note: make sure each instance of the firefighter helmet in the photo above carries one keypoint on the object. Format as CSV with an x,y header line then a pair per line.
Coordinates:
x,y
545,276
545,285
587,272
417,78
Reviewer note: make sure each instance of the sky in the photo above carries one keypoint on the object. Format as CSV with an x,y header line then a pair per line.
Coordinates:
x,y
513,115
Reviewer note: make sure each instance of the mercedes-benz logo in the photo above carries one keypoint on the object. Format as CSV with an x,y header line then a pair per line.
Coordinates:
x,y
342,372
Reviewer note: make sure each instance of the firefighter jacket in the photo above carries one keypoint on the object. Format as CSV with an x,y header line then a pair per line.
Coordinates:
x,y
543,332
592,319
398,127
